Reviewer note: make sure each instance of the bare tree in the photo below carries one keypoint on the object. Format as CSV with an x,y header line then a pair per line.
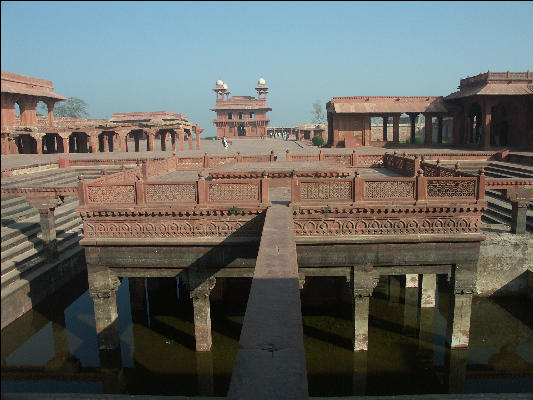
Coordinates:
x,y
319,115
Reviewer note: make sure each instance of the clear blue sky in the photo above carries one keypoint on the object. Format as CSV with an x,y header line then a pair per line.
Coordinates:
x,y
137,56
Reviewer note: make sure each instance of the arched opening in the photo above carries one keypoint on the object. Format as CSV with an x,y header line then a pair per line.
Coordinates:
x,y
135,136
78,142
241,130
26,144
500,125
52,143
106,141
42,113
474,124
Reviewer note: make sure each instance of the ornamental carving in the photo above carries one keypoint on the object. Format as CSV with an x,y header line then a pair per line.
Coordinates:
x,y
326,190
389,190
368,160
344,159
451,188
171,192
111,194
386,226
173,228
233,191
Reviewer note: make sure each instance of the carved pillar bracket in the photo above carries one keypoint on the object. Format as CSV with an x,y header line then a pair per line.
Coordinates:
x,y
363,281
200,287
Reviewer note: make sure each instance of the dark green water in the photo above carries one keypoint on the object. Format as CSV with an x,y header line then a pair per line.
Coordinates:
x,y
54,348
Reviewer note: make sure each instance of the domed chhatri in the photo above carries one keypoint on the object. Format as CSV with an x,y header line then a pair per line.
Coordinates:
x,y
219,82
261,81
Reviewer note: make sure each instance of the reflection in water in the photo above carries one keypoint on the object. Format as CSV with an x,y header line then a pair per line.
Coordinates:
x,y
54,347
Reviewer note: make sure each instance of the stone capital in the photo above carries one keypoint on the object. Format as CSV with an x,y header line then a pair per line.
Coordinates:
x,y
104,290
201,288
364,279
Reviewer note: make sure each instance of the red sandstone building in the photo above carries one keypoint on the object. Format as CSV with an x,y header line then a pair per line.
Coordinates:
x,y
490,109
243,116
30,134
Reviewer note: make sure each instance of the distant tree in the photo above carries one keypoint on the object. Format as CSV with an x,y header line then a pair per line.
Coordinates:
x,y
318,141
319,116
71,108
42,109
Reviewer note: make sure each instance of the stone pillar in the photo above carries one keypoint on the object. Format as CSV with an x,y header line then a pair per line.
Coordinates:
x,y
463,282
39,143
163,137
173,141
396,128
105,143
182,140
412,119
426,327
136,139
518,216
428,118
103,285
65,145
360,364
200,288
455,362
487,117
189,140
198,139
50,113
122,143
150,145
411,280
46,208
93,142
363,281
427,290
394,289
385,123
439,132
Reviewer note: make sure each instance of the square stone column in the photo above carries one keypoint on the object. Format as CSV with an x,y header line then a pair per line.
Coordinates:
x,y
385,123
182,140
396,128
518,216
150,145
104,143
428,120
412,120
93,141
463,282
39,143
427,290
439,132
46,208
163,137
363,281
411,280
65,145
200,288
103,285
189,140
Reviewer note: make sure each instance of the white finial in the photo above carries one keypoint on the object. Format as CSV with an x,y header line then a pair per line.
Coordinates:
x,y
219,82
261,81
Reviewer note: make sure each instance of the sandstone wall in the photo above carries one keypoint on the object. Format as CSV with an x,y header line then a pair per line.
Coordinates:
x,y
505,265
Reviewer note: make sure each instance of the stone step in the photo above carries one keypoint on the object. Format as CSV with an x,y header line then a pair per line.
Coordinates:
x,y
28,264
14,229
512,173
512,166
12,201
39,179
21,245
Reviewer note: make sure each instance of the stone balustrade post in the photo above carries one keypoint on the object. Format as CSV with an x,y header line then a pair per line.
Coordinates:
x,y
358,184
295,188
481,185
264,188
354,159
518,216
46,208
202,189
272,156
206,160
321,156
140,197
288,155
103,285
421,188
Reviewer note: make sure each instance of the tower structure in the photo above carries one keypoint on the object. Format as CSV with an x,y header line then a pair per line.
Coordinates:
x,y
243,116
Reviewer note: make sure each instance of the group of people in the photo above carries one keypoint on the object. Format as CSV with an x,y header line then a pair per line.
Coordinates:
x,y
277,135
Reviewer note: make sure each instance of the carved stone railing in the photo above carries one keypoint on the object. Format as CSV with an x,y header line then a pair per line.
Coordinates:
x,y
351,159
278,174
405,164
202,193
386,190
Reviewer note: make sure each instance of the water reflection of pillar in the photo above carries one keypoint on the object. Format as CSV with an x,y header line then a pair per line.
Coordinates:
x,y
139,312
410,310
204,373
360,363
103,285
363,281
426,319
200,287
394,289
455,362
111,371
463,281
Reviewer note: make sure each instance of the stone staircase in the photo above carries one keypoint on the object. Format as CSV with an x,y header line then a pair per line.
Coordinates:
x,y
499,208
22,254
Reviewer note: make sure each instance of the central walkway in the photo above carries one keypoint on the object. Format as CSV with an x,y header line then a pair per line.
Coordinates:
x,y
270,363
